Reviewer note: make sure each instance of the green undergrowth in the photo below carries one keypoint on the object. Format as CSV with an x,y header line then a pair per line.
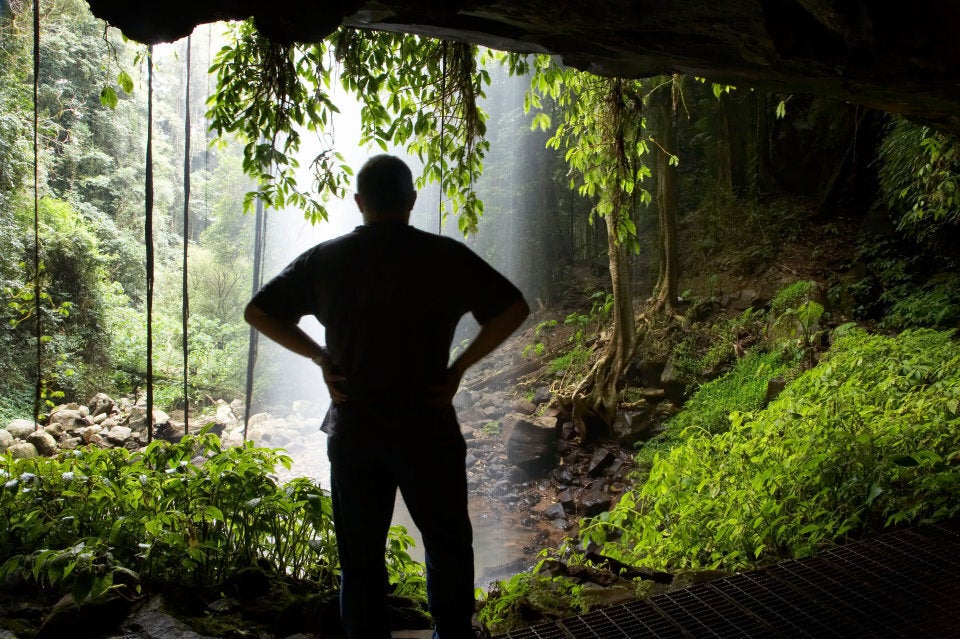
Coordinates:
x,y
868,438
92,521
743,388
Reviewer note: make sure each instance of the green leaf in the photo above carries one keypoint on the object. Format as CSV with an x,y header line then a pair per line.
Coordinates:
x,y
108,97
125,82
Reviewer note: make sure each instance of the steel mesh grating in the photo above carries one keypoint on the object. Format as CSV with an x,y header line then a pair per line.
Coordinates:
x,y
901,584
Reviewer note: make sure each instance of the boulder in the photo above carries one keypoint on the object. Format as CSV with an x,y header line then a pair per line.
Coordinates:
x,y
100,404
594,502
225,415
554,511
673,389
137,420
118,435
20,428
259,418
6,439
524,406
542,395
87,433
630,427
599,462
67,419
169,431
531,443
303,408
22,451
44,442
90,619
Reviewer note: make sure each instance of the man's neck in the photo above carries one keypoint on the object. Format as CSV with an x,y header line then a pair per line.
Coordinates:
x,y
388,219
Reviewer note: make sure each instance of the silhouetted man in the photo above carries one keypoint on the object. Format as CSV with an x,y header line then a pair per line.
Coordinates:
x,y
390,297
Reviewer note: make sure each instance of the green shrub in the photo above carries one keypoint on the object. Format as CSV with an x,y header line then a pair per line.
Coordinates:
x,y
864,440
93,517
935,304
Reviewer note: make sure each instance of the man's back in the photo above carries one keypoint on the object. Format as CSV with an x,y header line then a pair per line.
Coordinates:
x,y
390,297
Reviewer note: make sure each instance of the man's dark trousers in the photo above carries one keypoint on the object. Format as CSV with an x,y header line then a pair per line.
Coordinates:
x,y
373,451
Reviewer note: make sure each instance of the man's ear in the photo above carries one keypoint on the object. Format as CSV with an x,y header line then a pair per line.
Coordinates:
x,y
359,200
413,200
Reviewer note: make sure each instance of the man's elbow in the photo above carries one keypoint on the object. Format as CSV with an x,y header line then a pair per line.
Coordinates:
x,y
519,311
252,314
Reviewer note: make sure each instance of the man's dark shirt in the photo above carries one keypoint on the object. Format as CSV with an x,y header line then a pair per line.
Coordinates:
x,y
390,297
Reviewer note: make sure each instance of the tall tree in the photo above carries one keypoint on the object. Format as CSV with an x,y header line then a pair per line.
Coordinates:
x,y
602,133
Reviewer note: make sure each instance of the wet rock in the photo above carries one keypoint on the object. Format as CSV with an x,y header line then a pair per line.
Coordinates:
x,y
153,621
646,373
561,524
101,404
562,476
470,460
501,488
673,389
567,501
599,462
541,395
554,511
22,451
524,406
44,442
20,428
630,427
594,502
516,475
5,439
170,431
530,443
568,431
70,443
87,620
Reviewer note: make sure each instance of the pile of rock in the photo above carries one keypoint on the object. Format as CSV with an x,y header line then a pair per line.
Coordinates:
x,y
106,423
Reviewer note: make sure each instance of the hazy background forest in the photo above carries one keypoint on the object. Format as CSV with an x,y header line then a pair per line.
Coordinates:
x,y
723,236
740,153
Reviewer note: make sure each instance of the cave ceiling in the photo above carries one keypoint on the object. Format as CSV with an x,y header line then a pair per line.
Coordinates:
x,y
895,56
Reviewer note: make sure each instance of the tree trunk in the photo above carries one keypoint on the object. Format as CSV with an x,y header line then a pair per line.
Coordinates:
x,y
668,199
602,398
764,174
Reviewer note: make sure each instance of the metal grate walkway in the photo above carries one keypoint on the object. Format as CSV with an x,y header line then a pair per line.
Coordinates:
x,y
900,584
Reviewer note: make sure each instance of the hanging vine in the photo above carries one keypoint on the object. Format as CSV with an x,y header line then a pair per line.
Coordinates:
x,y
268,93
148,240
185,289
38,396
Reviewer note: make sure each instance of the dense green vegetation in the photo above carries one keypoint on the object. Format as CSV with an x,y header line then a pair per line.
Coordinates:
x,y
857,300
97,521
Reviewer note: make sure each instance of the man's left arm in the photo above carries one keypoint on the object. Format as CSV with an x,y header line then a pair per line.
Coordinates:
x,y
288,334
492,333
